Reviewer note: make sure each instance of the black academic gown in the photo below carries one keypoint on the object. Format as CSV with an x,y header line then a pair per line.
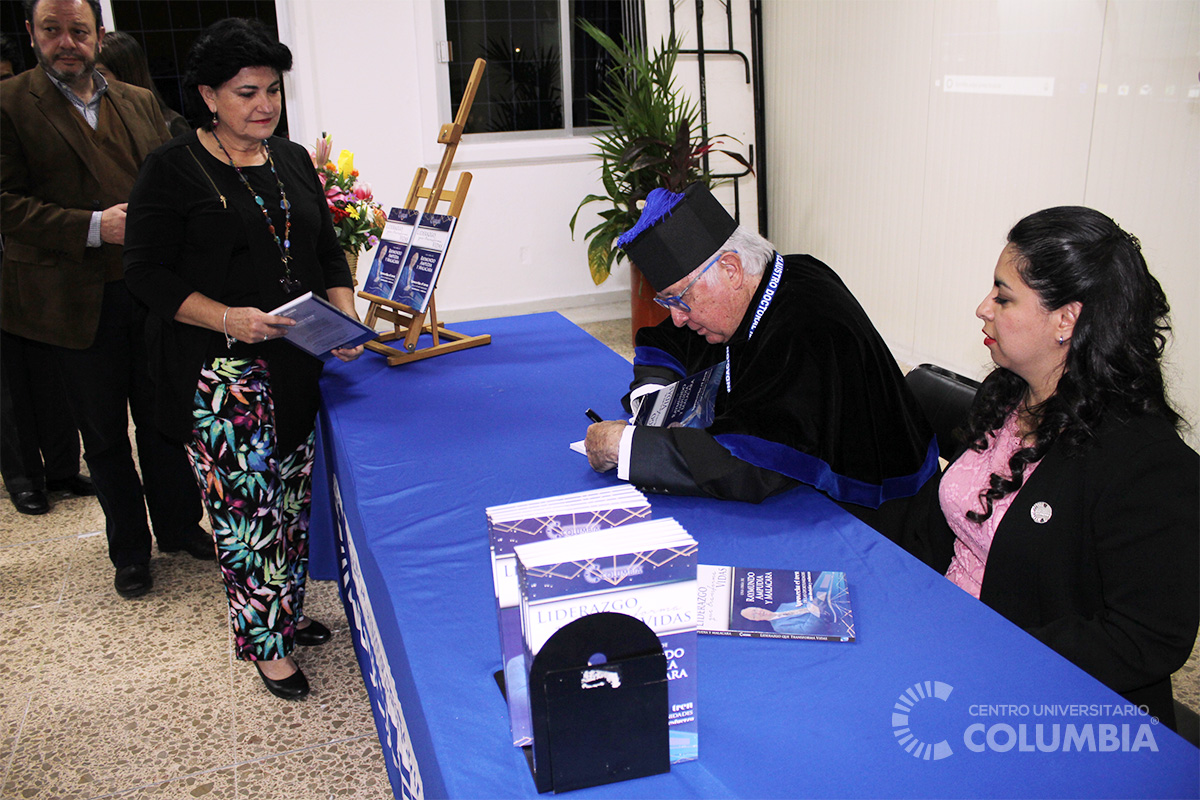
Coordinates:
x,y
816,398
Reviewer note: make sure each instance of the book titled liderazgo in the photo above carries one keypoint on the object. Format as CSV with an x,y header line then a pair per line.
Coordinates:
x,y
774,603
538,520
646,570
321,326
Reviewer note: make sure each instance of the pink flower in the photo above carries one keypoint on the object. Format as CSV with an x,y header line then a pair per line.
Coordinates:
x,y
320,153
362,191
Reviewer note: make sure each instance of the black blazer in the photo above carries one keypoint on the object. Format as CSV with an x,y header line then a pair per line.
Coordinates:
x,y
1098,556
193,227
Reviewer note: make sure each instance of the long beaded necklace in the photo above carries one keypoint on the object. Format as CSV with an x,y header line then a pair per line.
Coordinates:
x,y
288,283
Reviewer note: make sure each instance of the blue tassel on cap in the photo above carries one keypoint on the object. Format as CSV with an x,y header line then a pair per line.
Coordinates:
x,y
658,205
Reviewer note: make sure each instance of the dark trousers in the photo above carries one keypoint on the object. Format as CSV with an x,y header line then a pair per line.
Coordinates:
x,y
102,382
38,440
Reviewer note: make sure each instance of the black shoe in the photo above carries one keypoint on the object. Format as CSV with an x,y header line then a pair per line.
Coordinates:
x,y
194,541
78,485
293,687
30,502
312,634
133,581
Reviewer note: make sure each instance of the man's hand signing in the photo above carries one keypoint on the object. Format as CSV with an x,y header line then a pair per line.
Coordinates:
x,y
603,444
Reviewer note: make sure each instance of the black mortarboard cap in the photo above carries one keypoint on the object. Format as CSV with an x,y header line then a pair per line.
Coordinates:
x,y
676,233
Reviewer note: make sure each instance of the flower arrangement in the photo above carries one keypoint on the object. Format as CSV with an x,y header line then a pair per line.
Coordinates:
x,y
357,218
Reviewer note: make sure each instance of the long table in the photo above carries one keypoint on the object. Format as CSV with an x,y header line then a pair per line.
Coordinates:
x,y
938,696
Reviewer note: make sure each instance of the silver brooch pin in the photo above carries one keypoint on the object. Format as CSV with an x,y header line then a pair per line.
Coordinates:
x,y
1041,512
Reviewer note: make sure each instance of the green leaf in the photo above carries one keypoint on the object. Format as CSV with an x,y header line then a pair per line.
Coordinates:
x,y
647,142
599,260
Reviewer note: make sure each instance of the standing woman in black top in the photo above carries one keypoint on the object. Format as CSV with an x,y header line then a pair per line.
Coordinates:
x,y
225,223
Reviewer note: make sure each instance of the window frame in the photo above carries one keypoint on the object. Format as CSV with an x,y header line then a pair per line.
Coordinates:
x,y
559,145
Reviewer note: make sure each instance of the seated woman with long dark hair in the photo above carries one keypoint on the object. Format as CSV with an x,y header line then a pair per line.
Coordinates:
x,y
1075,509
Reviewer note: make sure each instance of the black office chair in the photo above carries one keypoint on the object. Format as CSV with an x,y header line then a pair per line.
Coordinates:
x,y
945,397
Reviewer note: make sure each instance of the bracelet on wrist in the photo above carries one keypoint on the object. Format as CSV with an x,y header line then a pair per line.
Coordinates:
x,y
229,340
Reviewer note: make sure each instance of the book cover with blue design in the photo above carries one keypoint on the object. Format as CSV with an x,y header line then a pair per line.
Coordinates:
x,y
646,570
537,520
774,603
422,261
321,326
687,403
389,255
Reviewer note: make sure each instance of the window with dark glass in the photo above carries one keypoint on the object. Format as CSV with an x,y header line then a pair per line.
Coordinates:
x,y
166,29
528,84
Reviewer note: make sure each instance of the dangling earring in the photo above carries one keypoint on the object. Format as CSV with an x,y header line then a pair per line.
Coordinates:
x,y
215,121
1060,340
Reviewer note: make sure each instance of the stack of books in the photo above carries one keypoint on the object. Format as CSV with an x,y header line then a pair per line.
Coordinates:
x,y
543,519
646,570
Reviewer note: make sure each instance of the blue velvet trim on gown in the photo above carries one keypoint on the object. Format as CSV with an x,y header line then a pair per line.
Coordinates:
x,y
815,472
653,357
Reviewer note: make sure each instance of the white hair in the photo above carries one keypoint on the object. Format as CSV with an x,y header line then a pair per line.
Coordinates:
x,y
755,251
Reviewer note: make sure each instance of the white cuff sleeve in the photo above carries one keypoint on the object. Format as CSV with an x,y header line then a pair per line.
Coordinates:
x,y
626,450
93,239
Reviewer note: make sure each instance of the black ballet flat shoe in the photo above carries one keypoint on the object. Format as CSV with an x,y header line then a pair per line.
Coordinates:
x,y
312,634
293,687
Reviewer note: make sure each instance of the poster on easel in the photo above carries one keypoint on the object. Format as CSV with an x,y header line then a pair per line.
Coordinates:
x,y
389,256
422,261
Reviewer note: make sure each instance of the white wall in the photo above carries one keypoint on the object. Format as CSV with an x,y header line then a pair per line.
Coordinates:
x,y
907,189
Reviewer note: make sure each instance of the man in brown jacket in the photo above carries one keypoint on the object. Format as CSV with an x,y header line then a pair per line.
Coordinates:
x,y
70,148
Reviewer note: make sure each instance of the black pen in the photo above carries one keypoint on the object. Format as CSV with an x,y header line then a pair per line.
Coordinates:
x,y
593,416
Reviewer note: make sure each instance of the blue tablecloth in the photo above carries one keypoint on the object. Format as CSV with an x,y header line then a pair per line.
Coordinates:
x,y
938,697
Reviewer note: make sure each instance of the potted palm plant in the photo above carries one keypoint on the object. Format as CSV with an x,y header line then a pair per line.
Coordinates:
x,y
649,141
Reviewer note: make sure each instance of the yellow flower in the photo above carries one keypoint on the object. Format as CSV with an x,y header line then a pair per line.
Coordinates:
x,y
345,162
352,212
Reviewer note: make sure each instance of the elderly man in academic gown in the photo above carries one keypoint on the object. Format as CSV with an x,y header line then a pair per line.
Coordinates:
x,y
810,392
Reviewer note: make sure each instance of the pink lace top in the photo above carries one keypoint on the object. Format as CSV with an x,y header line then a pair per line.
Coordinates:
x,y
959,493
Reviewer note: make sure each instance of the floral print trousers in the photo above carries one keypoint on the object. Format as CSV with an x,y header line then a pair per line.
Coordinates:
x,y
258,503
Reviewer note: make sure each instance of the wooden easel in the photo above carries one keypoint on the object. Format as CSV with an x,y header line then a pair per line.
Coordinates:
x,y
409,324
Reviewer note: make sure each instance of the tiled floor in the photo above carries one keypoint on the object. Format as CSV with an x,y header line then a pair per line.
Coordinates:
x,y
103,697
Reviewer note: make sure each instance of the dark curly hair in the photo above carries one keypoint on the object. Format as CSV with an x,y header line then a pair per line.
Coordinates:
x,y
1113,360
223,50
